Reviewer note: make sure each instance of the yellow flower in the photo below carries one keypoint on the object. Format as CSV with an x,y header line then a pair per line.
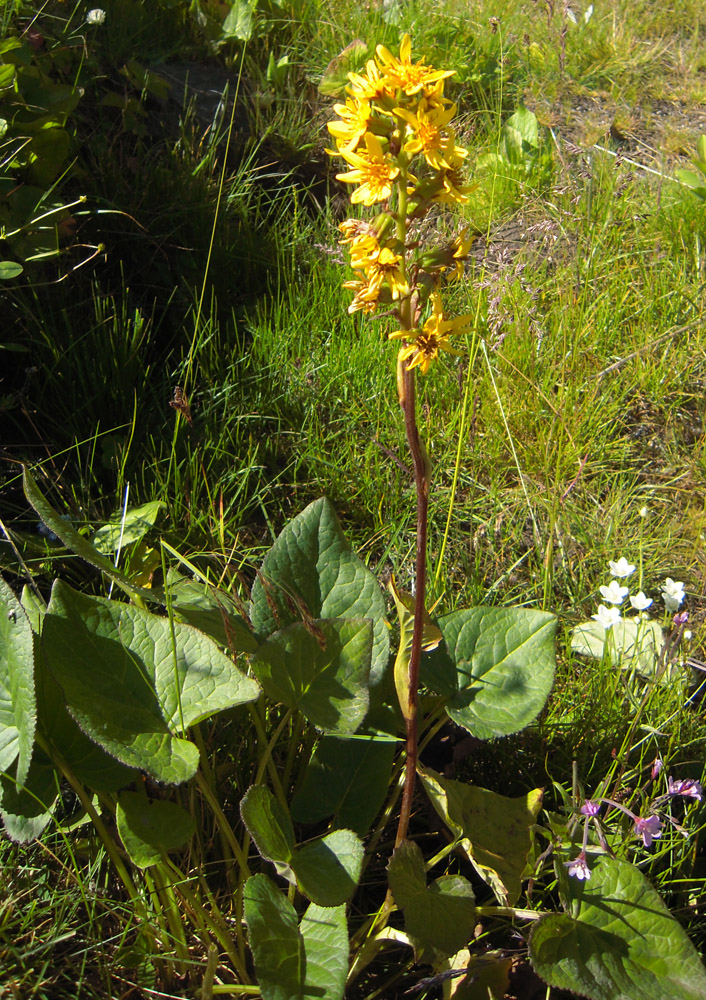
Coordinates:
x,y
374,172
366,296
385,267
363,249
460,249
432,338
451,187
403,73
355,117
428,135
372,86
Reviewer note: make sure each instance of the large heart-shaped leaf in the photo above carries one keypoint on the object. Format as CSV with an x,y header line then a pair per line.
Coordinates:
x,y
132,680
347,779
325,936
438,918
620,943
270,827
27,810
275,940
151,828
320,668
89,763
492,829
18,711
311,572
295,962
497,669
78,544
328,869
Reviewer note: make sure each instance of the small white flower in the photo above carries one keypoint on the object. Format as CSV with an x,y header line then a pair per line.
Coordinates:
x,y
643,512
606,616
640,602
588,13
621,568
687,635
613,593
95,16
672,593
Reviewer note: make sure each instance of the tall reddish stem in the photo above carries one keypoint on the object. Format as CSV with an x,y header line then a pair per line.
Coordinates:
x,y
421,481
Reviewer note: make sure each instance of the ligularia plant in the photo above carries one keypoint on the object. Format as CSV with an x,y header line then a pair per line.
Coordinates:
x,y
259,852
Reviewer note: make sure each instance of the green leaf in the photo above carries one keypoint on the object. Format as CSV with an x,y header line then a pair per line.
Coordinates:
x,y
72,540
9,268
431,637
34,607
697,182
335,77
439,918
151,828
18,710
210,611
497,669
328,870
621,943
269,825
85,759
275,940
27,810
48,151
132,679
325,936
347,779
291,962
311,572
239,21
126,530
628,642
525,122
320,668
493,830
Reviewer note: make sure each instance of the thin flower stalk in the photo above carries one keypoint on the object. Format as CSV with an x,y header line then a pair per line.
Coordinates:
x,y
394,133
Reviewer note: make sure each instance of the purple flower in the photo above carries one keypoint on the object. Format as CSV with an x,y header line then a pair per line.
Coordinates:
x,y
590,808
656,767
685,786
680,619
578,867
649,828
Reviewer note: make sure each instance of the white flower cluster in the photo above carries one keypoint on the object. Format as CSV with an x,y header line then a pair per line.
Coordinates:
x,y
95,16
614,594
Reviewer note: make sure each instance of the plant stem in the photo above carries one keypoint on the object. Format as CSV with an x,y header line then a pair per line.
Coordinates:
x,y
405,382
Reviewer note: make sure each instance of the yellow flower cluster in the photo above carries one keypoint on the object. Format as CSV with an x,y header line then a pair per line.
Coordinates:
x,y
395,113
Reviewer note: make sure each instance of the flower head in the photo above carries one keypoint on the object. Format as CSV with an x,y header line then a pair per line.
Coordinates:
x,y
403,73
621,568
672,593
606,616
432,338
374,170
649,828
687,787
613,593
355,121
579,868
590,808
640,602
95,16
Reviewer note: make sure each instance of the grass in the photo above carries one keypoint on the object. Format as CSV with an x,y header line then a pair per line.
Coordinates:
x,y
580,400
